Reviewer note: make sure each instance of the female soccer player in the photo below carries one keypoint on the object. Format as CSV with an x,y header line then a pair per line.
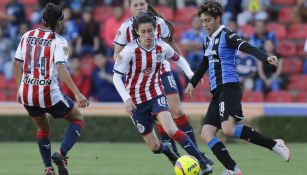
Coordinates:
x,y
43,53
164,31
141,61
225,107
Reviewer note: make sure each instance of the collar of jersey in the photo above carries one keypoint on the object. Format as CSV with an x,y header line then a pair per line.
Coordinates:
x,y
147,50
216,32
44,30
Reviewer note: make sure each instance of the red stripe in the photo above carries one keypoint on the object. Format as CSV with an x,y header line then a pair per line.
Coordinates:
x,y
35,95
129,73
138,69
25,69
42,134
144,81
159,50
128,35
158,31
47,94
21,43
152,89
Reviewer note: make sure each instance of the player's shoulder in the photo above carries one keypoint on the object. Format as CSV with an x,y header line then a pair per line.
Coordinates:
x,y
130,46
160,20
60,39
127,23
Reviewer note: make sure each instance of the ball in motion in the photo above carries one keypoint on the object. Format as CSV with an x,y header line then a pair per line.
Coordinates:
x,y
187,165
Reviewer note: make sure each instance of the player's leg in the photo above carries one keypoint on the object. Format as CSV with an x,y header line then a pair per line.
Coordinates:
x,y
40,120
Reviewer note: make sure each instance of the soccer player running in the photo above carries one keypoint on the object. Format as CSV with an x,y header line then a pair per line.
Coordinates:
x,y
141,61
225,109
164,31
40,57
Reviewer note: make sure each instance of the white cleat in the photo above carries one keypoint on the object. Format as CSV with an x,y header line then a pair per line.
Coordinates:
x,y
236,171
281,149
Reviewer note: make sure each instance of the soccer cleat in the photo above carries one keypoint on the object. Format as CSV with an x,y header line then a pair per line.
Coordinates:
x,y
61,163
208,160
205,169
281,149
175,156
236,171
49,171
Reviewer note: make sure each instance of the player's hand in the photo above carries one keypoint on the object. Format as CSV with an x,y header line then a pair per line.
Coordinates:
x,y
189,90
81,100
129,106
273,60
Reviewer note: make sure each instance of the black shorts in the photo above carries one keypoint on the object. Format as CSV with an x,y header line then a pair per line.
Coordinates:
x,y
226,101
59,110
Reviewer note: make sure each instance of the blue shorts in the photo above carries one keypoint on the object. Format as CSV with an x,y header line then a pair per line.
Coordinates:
x,y
169,83
59,110
144,115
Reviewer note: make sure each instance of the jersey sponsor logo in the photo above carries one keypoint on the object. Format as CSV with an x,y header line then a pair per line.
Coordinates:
x,y
140,127
39,41
147,71
35,81
210,52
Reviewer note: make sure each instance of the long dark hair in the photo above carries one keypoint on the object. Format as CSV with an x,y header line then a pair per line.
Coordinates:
x,y
51,15
153,11
141,19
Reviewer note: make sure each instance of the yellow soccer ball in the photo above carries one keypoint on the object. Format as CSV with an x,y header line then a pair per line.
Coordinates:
x,y
187,165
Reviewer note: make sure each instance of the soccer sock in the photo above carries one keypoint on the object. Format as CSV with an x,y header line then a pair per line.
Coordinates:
x,y
250,135
221,153
184,125
166,138
44,146
172,156
71,135
186,143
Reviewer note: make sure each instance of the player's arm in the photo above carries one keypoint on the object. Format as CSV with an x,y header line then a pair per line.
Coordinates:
x,y
17,71
120,41
183,64
117,50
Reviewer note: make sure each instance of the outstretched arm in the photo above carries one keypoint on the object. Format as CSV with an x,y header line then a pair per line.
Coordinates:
x,y
183,64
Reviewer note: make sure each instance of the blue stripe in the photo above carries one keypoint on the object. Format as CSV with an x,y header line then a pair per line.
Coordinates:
x,y
213,142
238,131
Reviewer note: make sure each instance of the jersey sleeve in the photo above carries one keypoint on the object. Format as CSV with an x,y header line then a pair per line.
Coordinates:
x,y
61,51
121,36
122,61
169,52
234,41
18,53
165,32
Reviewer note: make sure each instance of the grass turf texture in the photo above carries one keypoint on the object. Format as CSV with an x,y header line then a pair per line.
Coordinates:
x,y
21,158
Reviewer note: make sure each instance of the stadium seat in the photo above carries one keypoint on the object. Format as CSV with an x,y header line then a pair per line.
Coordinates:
x,y
248,30
292,65
285,15
252,96
283,2
166,12
298,31
3,2
279,97
87,65
279,29
2,82
300,49
102,13
286,48
29,2
185,15
298,82
2,96
301,97
179,29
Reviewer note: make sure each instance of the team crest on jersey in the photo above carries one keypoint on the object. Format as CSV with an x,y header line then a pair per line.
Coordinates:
x,y
65,49
159,57
140,127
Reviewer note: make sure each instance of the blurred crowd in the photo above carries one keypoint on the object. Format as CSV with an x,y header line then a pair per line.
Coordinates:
x,y
91,25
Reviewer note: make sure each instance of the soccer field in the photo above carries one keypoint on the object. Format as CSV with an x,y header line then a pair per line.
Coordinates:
x,y
21,158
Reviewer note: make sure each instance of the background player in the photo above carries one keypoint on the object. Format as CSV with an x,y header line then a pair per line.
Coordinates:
x,y
141,61
225,107
164,31
43,53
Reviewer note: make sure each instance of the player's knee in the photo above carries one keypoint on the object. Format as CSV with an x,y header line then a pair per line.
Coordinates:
x,y
177,113
228,131
171,131
206,136
154,146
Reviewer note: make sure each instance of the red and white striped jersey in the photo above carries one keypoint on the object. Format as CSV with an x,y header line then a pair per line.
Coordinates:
x,y
124,36
142,68
40,50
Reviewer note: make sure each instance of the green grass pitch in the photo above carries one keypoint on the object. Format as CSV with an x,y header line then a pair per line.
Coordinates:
x,y
19,158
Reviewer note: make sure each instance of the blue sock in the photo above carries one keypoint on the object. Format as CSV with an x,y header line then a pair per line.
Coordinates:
x,y
71,135
238,131
184,125
186,143
44,146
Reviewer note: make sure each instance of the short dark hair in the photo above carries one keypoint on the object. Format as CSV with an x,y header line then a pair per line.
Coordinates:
x,y
211,8
51,15
141,19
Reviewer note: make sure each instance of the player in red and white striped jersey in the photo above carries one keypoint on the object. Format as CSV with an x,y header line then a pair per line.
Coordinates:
x,y
164,31
141,61
44,53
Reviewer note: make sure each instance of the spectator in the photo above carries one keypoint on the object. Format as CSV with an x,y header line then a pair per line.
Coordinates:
x,y
5,55
270,77
261,35
305,62
82,80
192,43
231,9
246,68
71,28
103,89
88,42
253,9
300,11
15,16
233,26
110,28
23,28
